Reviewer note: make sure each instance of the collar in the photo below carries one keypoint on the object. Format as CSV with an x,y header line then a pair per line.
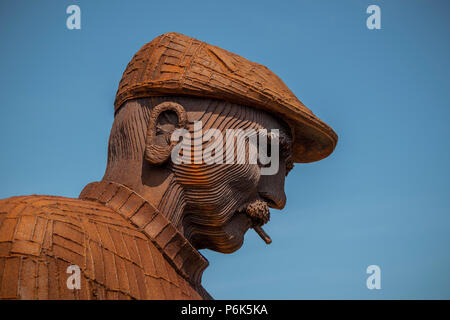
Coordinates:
x,y
178,251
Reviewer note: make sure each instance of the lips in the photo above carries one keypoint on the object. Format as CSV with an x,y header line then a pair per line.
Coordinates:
x,y
258,211
258,214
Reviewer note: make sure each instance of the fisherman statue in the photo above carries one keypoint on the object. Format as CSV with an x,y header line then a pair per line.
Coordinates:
x,y
136,234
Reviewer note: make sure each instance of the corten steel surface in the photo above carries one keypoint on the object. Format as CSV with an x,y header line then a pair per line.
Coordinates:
x,y
136,234
180,65
40,236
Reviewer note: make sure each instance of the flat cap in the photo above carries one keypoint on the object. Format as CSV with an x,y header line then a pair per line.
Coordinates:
x,y
175,64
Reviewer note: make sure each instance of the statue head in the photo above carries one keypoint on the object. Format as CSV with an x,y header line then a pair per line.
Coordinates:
x,y
208,138
212,199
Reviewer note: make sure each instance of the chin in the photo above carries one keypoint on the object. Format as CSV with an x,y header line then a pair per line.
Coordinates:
x,y
234,232
228,238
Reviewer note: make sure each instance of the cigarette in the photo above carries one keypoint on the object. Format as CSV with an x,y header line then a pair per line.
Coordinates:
x,y
263,234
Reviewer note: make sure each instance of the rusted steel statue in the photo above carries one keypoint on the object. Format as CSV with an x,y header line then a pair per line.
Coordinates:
x,y
136,234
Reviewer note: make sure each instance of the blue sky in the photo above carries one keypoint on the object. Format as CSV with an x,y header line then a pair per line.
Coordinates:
x,y
381,198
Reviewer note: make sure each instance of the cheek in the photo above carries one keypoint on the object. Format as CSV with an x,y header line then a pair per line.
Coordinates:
x,y
240,180
251,173
212,176
220,189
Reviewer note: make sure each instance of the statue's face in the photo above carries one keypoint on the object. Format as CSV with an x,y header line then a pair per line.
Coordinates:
x,y
224,200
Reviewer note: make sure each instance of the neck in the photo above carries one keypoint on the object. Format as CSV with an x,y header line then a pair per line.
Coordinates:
x,y
172,205
155,185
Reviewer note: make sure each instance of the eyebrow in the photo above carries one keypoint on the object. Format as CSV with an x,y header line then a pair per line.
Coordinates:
x,y
286,145
285,140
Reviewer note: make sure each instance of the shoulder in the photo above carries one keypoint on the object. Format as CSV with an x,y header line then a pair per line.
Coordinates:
x,y
30,223
40,236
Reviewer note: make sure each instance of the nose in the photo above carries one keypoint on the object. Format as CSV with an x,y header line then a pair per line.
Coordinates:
x,y
271,190
274,201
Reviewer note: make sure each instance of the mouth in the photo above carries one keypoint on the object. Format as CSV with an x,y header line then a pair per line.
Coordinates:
x,y
259,214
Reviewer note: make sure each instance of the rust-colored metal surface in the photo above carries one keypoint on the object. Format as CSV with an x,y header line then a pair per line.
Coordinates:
x,y
180,65
41,236
136,234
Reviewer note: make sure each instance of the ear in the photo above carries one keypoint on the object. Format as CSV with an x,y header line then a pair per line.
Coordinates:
x,y
165,118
